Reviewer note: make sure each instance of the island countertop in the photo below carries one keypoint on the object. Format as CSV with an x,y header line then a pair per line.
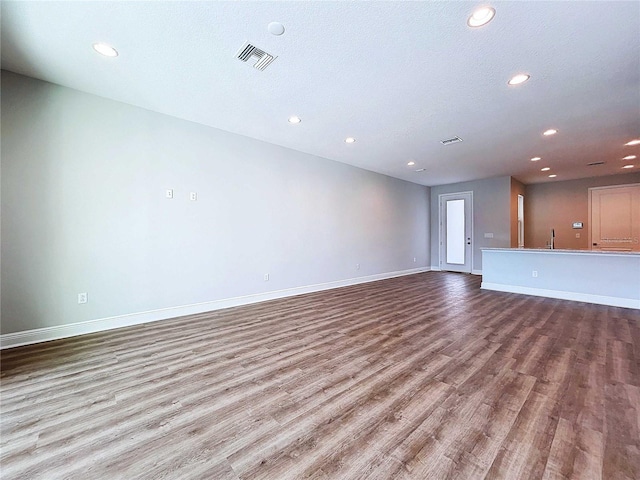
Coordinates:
x,y
595,276
561,250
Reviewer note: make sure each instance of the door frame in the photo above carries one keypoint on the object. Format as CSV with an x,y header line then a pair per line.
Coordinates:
x,y
607,187
441,248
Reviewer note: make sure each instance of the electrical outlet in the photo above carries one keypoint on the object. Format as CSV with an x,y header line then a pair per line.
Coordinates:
x,y
357,266
266,277
193,196
169,193
414,259
534,273
83,298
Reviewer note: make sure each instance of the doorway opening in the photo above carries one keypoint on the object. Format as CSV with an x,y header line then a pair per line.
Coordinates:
x,y
520,221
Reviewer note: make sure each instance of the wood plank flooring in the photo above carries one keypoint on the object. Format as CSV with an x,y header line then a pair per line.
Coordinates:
x,y
418,377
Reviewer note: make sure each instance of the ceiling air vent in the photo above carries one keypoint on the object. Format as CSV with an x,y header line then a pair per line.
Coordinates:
x,y
451,140
262,58
593,164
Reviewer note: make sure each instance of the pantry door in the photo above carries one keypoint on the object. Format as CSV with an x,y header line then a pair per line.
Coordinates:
x,y
615,218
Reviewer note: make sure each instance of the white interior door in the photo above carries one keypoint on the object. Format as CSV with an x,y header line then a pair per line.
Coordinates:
x,y
456,238
615,218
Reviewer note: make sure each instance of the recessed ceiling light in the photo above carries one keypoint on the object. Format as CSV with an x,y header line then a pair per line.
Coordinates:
x,y
551,131
628,166
552,175
633,142
629,157
481,16
545,169
411,163
275,28
104,49
349,139
518,79
535,159
294,119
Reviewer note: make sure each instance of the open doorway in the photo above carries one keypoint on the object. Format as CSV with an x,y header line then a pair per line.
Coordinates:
x,y
520,221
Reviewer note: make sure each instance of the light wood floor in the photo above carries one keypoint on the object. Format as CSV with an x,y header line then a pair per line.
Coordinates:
x,y
419,377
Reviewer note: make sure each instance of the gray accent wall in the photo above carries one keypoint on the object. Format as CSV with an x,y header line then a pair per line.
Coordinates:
x,y
491,214
84,210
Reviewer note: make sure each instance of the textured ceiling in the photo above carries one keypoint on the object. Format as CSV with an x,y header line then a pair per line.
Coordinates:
x,y
397,76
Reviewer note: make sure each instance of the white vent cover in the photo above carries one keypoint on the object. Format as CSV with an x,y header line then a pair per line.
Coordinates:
x,y
248,51
451,140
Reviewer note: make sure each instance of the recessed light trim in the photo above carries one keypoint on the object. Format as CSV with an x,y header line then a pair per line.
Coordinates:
x,y
545,169
628,166
630,157
349,140
481,16
518,79
551,131
294,120
420,170
411,163
633,142
105,49
535,159
553,175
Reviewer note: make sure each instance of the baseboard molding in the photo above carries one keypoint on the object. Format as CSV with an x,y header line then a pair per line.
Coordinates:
x,y
473,272
102,324
578,297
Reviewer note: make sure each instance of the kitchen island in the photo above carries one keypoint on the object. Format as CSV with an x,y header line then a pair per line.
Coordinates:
x,y
606,278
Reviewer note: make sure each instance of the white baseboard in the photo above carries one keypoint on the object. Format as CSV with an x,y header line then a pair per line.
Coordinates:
x,y
91,326
575,296
473,272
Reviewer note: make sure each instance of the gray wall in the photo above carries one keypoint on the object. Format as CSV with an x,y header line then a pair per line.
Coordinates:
x,y
491,214
84,210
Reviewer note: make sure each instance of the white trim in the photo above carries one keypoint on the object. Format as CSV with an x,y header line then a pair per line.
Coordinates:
x,y
46,334
578,297
615,186
435,269
476,272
